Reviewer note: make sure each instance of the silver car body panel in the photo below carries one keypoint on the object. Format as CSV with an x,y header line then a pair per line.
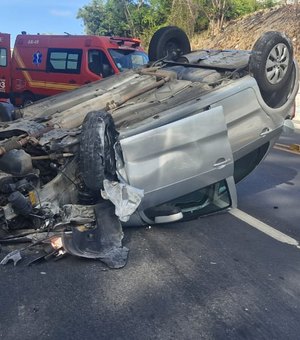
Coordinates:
x,y
178,157
178,151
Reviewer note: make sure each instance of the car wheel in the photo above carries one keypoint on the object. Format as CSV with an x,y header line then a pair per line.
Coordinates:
x,y
96,154
27,99
271,61
169,42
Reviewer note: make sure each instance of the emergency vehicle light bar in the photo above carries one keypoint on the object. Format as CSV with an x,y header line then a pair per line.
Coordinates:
x,y
121,41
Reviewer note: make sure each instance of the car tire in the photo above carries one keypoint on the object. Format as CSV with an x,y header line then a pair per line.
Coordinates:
x,y
271,61
27,99
96,153
169,42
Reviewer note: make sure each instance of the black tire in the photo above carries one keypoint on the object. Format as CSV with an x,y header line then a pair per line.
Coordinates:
x,y
271,61
27,99
96,154
170,42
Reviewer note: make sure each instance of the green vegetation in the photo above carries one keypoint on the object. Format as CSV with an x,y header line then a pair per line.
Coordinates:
x,y
140,18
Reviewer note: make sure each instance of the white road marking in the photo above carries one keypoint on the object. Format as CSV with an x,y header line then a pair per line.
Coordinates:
x,y
263,227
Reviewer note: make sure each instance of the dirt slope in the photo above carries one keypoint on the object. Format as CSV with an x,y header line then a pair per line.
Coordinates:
x,y
242,33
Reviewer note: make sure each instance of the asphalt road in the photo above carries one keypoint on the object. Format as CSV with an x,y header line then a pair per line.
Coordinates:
x,y
213,278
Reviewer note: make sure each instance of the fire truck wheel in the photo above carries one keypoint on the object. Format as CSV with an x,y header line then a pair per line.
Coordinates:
x,y
27,99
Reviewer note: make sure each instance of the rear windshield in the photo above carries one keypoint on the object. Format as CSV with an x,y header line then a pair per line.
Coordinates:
x,y
127,59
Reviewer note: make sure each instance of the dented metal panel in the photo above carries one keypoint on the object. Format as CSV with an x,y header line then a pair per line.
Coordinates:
x,y
179,156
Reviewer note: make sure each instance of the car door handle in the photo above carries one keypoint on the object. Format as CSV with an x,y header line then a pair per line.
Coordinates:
x,y
264,132
221,163
72,81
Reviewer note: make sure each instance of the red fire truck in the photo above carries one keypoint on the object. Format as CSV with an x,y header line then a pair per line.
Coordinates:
x,y
44,65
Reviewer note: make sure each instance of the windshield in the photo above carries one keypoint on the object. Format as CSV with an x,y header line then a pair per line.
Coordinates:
x,y
127,59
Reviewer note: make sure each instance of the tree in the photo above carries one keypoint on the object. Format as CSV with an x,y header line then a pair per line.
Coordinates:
x,y
238,8
93,16
141,18
152,16
135,18
106,17
184,14
215,11
218,11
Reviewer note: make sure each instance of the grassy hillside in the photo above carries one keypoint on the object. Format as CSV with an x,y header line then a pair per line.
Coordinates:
x,y
242,33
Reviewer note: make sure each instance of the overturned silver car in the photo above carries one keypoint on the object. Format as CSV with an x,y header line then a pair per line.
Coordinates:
x,y
160,144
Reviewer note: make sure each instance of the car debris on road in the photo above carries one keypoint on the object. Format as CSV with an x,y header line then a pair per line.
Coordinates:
x,y
164,143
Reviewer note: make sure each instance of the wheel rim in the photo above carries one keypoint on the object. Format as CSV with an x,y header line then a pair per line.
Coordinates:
x,y
171,49
277,63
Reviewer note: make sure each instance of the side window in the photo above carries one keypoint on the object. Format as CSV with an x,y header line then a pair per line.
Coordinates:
x,y
126,59
208,200
99,63
62,60
3,57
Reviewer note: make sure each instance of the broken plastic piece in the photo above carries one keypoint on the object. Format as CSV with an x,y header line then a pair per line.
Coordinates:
x,y
103,243
125,198
15,256
47,255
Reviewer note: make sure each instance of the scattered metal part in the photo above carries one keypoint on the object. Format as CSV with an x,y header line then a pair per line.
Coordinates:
x,y
16,143
34,237
53,156
53,251
14,256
